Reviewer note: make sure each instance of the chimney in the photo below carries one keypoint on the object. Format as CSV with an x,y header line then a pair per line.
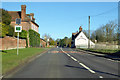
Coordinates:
x,y
80,29
32,14
23,12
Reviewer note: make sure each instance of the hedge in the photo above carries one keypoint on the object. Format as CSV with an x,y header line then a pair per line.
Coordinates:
x,y
34,38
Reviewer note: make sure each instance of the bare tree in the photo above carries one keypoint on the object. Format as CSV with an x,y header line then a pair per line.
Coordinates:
x,y
46,36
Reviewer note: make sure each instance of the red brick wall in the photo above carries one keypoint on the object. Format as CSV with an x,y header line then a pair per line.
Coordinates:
x,y
11,43
43,43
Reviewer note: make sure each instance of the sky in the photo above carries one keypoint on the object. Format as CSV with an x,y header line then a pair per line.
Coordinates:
x,y
60,19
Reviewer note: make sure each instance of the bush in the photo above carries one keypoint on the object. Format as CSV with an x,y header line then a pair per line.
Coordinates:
x,y
11,31
34,38
6,18
23,34
3,30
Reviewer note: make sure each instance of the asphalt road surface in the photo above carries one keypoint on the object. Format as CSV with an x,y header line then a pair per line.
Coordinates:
x,y
66,63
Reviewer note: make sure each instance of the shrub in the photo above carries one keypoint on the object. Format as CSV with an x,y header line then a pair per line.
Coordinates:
x,y
23,34
11,31
3,30
34,38
6,18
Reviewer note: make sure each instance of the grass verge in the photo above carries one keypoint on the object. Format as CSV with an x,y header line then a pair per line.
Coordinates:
x,y
104,51
10,59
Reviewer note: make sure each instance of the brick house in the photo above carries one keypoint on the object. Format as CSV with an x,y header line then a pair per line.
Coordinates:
x,y
42,42
27,20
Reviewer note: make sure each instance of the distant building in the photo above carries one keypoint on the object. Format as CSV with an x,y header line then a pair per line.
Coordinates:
x,y
79,40
27,20
42,42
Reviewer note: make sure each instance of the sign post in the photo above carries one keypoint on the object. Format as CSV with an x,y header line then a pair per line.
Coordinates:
x,y
17,43
18,29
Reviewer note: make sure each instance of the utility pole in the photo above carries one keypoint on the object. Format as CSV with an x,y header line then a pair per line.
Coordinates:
x,y
89,33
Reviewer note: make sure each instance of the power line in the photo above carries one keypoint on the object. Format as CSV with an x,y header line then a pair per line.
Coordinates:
x,y
104,12
100,13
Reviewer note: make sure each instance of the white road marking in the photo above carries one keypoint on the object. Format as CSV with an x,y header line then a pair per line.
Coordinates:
x,y
68,54
87,68
97,54
79,62
112,60
100,77
74,59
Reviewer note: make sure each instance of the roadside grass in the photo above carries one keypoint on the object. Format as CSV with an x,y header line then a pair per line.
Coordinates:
x,y
10,59
104,51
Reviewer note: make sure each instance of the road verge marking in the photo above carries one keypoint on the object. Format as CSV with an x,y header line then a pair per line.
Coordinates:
x,y
93,53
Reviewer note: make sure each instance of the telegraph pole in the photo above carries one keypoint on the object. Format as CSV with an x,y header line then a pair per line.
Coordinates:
x,y
89,33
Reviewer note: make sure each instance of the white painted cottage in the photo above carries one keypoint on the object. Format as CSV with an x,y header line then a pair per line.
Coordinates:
x,y
79,40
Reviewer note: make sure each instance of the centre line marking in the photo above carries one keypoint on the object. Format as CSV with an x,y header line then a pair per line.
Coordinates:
x,y
100,77
87,68
79,62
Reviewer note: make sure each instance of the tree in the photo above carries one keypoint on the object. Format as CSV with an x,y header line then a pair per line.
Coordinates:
x,y
46,36
3,30
52,42
106,33
65,42
6,18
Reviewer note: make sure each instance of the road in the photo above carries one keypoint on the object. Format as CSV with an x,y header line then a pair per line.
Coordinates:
x,y
66,63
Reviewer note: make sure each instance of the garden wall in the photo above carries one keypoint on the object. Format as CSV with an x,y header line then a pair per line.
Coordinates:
x,y
11,43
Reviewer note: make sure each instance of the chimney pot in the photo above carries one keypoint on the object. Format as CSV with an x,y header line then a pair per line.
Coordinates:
x,y
32,14
23,12
80,29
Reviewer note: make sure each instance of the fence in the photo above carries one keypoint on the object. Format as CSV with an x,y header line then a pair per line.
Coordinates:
x,y
106,46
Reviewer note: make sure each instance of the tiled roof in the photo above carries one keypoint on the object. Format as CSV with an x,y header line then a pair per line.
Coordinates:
x,y
15,14
42,39
74,35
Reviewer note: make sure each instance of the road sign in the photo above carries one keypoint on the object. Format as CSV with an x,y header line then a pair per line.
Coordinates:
x,y
18,28
18,21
